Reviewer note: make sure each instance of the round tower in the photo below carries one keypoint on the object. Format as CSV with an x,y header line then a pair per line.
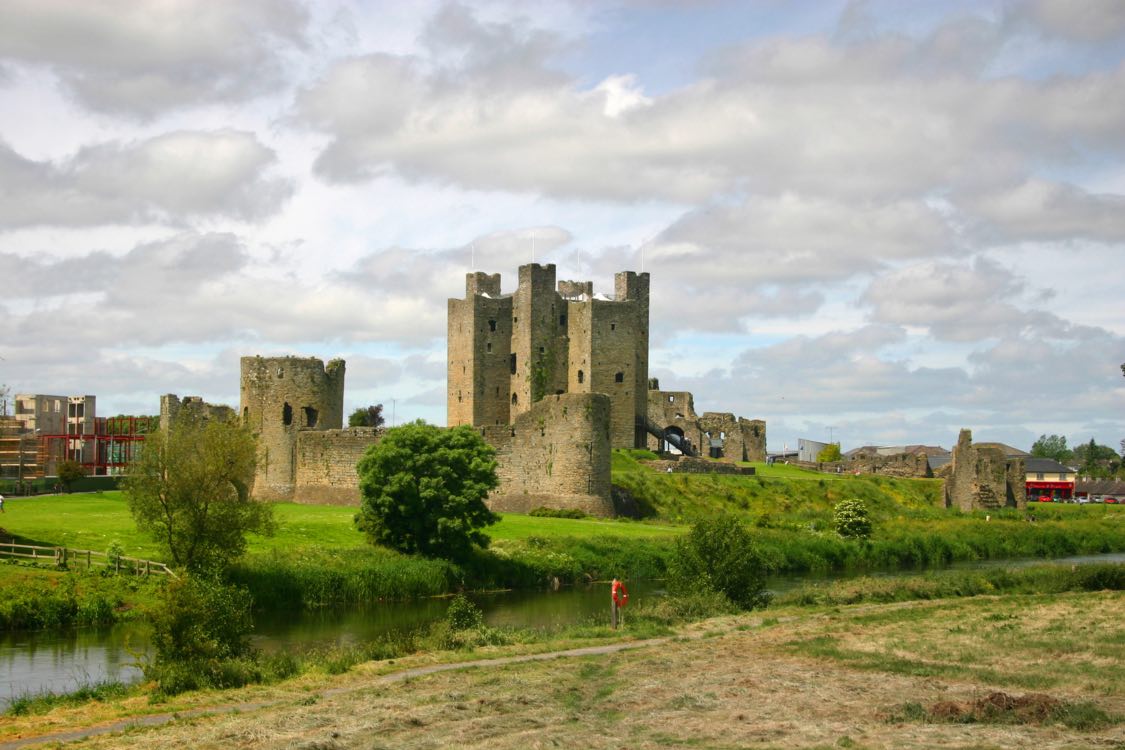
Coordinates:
x,y
280,396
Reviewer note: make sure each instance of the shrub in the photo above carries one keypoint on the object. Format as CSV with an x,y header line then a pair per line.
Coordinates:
x,y
463,614
852,519
199,633
559,513
719,555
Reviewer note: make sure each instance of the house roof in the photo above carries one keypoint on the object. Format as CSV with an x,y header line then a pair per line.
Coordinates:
x,y
1045,465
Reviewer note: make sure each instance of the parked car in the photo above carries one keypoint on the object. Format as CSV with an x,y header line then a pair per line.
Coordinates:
x,y
1044,498
1111,500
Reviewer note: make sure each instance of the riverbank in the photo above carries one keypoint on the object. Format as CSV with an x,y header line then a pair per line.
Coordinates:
x,y
318,558
873,675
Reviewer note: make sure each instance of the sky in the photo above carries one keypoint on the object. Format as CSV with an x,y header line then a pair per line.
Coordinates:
x,y
871,222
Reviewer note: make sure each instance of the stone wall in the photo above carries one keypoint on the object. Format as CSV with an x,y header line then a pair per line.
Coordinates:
x,y
715,434
280,396
325,472
912,465
983,477
555,455
691,465
171,406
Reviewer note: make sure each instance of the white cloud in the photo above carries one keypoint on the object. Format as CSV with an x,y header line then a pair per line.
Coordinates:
x,y
142,59
168,178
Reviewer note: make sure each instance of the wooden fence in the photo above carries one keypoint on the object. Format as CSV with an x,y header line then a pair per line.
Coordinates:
x,y
64,557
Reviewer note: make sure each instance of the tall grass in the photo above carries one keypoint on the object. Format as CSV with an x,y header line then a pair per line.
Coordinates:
x,y
1039,579
71,598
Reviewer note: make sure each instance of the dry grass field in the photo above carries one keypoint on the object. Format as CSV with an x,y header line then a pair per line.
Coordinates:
x,y
883,676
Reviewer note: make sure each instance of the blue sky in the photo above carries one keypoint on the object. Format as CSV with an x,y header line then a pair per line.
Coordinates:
x,y
882,221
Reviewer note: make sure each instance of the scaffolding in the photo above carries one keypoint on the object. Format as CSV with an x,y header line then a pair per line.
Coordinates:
x,y
111,447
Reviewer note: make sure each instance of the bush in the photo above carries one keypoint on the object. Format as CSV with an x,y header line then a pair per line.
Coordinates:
x,y
852,519
199,633
463,614
719,555
559,513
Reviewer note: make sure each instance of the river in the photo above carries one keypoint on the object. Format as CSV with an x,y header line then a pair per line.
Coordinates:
x,y
35,662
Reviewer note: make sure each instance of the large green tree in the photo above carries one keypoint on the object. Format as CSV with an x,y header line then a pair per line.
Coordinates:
x,y
423,490
189,488
1052,446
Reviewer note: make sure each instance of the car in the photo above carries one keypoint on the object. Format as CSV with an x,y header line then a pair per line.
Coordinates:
x,y
1111,500
1044,498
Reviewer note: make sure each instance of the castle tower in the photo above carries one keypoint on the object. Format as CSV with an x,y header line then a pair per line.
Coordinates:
x,y
479,353
609,354
539,338
278,397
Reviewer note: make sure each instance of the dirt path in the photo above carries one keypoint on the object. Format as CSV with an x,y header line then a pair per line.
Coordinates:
x,y
156,720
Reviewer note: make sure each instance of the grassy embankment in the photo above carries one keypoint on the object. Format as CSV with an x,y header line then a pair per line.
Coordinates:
x,y
1037,667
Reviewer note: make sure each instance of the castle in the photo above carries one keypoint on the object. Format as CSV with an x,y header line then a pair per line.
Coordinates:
x,y
553,376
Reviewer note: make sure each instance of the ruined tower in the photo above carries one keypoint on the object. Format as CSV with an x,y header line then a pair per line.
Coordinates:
x,y
507,352
280,396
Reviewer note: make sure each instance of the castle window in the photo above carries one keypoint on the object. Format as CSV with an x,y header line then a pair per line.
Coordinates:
x,y
671,399
562,320
287,414
722,436
497,390
245,413
488,347
581,377
492,325
312,416
619,377
613,326
280,373
541,350
458,396
512,363
515,399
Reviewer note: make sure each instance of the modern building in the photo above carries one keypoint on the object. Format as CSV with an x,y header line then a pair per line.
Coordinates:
x,y
1046,477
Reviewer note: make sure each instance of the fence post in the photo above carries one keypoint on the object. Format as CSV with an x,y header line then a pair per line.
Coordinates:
x,y
87,559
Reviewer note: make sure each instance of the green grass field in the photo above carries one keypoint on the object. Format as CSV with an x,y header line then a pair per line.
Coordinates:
x,y
93,521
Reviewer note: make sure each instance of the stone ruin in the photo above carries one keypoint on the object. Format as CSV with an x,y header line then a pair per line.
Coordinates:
x,y
714,434
983,477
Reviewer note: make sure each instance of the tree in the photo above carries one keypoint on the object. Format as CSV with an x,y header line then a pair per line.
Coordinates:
x,y
1053,446
829,453
718,555
367,416
190,488
1094,460
423,489
69,472
851,519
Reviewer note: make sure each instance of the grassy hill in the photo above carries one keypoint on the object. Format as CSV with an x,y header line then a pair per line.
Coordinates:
x,y
776,495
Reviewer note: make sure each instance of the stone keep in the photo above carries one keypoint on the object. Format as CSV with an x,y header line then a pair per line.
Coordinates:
x,y
507,352
279,397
